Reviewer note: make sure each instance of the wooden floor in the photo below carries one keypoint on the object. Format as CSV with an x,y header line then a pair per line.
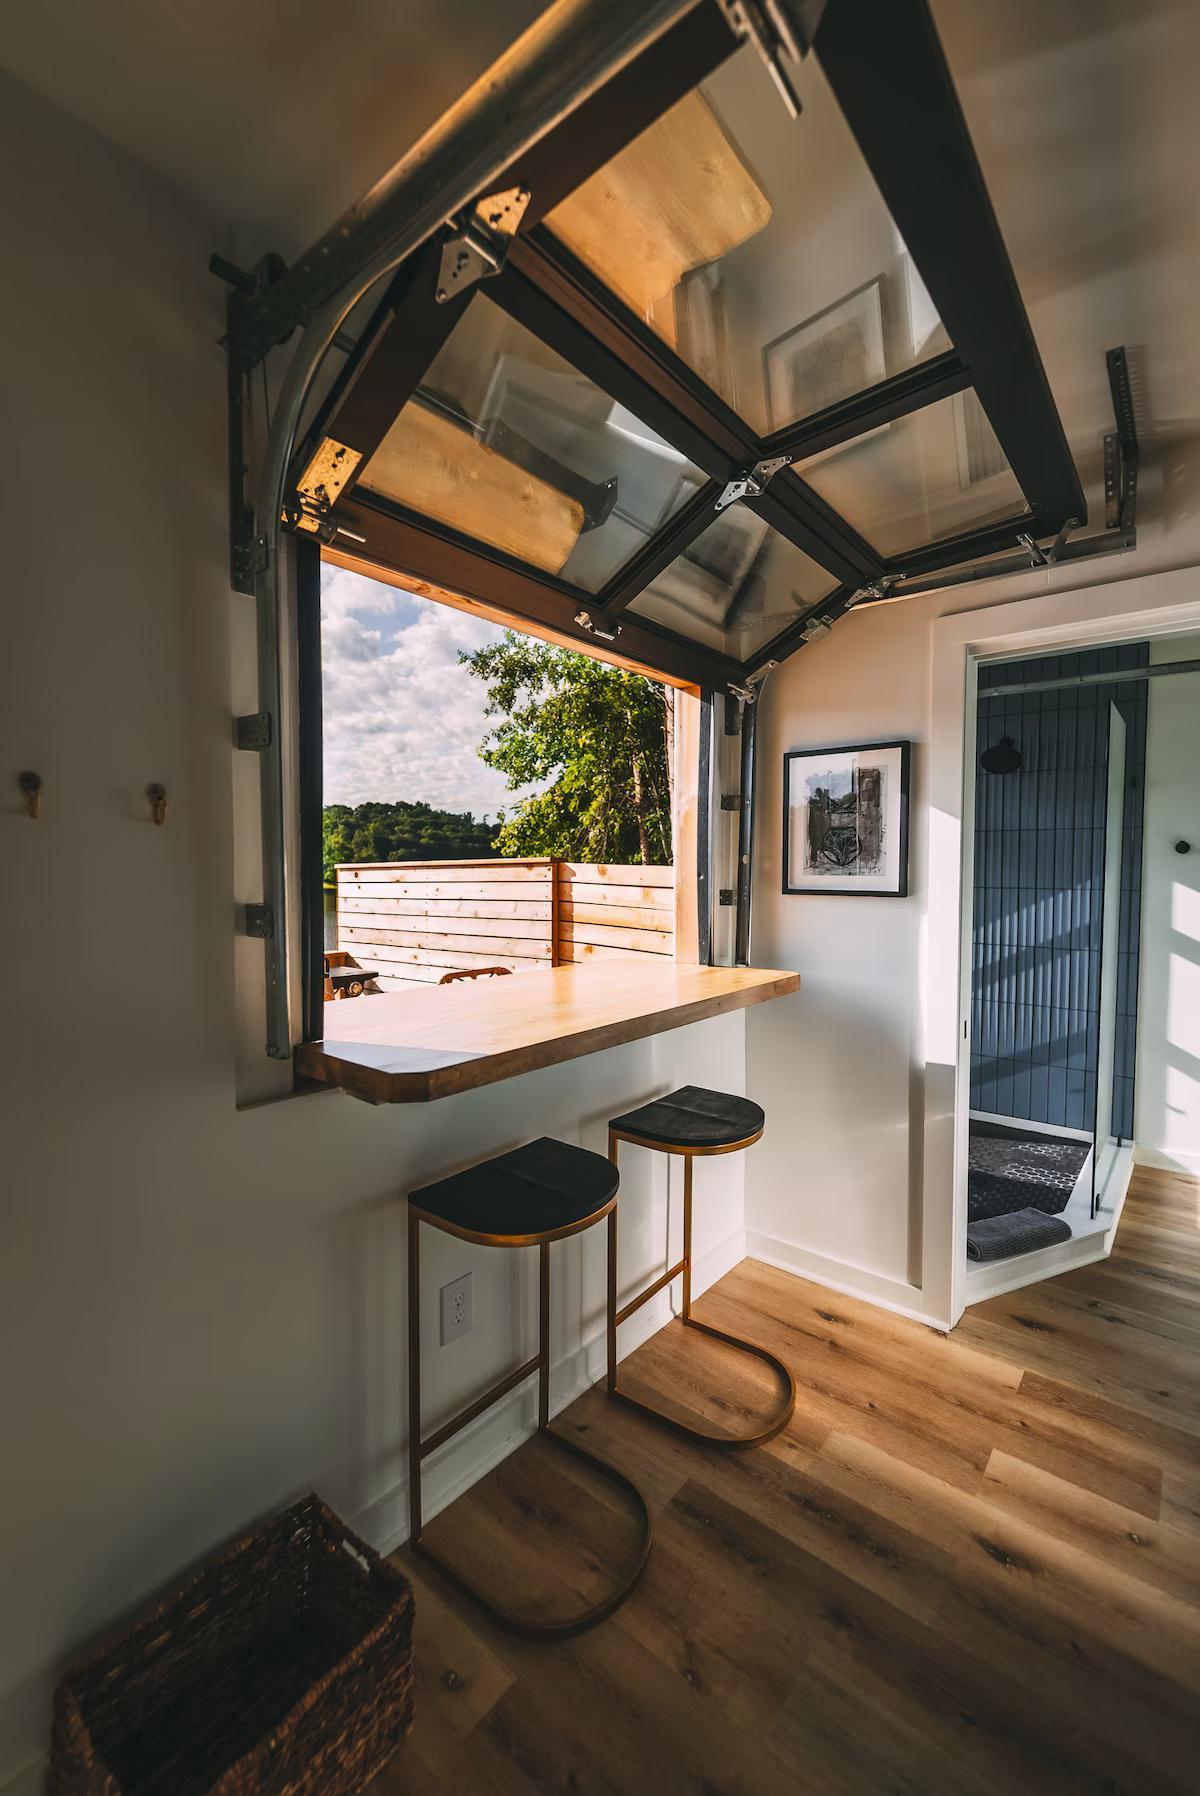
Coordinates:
x,y
970,1565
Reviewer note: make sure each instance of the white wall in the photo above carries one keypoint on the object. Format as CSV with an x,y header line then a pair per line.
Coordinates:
x,y
1168,1064
837,1064
201,1309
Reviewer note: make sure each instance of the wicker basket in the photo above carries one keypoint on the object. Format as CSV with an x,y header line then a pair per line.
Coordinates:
x,y
285,1666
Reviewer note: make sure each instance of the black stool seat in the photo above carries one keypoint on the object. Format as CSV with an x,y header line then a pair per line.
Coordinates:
x,y
544,1189
694,1118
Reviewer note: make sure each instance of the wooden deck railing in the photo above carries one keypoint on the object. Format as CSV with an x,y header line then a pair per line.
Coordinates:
x,y
415,920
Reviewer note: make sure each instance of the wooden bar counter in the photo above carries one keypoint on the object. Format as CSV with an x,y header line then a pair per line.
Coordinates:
x,y
412,1047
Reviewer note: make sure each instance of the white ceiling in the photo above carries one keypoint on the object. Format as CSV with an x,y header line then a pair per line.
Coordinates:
x,y
275,114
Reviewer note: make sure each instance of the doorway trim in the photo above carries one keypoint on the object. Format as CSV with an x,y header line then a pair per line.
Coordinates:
x,y
1117,611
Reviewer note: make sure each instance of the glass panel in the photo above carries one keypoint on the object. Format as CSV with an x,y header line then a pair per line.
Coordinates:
x,y
935,473
757,246
505,442
735,587
1104,1142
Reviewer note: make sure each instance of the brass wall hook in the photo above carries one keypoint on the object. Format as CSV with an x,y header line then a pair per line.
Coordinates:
x,y
158,802
31,786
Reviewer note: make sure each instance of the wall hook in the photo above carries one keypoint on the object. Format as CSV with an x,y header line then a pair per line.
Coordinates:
x,y
158,802
31,785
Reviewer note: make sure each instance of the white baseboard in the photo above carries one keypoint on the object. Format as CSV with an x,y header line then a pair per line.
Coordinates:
x,y
486,1442
892,1294
500,1431
1163,1161
1092,1240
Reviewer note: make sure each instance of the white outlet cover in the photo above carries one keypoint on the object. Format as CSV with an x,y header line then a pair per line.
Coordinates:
x,y
458,1308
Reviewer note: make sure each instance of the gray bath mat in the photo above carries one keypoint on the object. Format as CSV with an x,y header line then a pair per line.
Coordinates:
x,y
1022,1231
1014,1169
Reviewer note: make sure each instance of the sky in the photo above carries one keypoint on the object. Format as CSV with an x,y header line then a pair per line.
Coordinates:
x,y
402,719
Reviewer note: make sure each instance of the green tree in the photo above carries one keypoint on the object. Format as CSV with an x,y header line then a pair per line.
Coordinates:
x,y
596,739
377,831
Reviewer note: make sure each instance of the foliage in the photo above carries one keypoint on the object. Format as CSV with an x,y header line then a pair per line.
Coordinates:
x,y
402,832
595,740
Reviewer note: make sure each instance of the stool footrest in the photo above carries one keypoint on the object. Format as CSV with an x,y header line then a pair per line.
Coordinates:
x,y
449,1429
636,1303
711,1437
587,1618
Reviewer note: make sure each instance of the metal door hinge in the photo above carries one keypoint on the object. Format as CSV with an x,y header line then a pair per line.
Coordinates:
x,y
732,801
258,921
587,623
479,241
749,693
253,731
874,589
751,482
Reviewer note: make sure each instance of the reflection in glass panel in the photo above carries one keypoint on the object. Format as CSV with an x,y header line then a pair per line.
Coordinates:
x,y
735,587
757,246
505,442
933,474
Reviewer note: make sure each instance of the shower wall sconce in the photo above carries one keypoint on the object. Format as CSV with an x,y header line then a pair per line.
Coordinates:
x,y
1003,757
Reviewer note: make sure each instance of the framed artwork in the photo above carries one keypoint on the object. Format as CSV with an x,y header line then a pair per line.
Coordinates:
x,y
845,820
829,357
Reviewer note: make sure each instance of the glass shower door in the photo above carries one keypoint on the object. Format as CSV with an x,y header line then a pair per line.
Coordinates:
x,y
1104,1142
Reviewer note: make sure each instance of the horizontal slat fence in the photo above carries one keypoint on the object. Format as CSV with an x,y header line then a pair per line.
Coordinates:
x,y
413,921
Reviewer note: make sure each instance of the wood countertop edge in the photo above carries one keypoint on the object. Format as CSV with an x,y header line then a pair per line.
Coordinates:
x,y
376,1086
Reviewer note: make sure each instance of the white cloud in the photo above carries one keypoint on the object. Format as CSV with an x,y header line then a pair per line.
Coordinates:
x,y
402,720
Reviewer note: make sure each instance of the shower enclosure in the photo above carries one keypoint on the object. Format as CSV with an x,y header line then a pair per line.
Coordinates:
x,y
1054,951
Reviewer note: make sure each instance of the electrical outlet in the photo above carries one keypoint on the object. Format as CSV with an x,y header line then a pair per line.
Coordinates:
x,y
458,1309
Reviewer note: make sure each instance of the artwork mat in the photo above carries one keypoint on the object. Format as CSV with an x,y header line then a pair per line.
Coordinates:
x,y
892,884
866,302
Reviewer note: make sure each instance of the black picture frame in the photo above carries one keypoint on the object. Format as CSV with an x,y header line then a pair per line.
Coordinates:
x,y
903,749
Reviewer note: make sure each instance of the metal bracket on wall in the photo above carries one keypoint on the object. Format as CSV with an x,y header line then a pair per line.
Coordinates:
x,y
257,921
252,732
479,241
1120,449
751,482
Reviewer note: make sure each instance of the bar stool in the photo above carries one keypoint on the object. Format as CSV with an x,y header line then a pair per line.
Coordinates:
x,y
536,1194
689,1122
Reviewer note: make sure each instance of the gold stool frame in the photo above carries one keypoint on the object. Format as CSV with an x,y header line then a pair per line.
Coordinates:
x,y
617,1316
419,1450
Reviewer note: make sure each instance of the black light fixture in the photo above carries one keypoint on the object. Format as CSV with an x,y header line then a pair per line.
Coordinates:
x,y
1003,757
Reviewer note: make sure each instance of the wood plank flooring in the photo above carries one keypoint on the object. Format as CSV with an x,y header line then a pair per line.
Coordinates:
x,y
970,1565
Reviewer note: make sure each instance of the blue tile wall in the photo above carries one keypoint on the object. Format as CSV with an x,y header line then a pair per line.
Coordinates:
x,y
1039,852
